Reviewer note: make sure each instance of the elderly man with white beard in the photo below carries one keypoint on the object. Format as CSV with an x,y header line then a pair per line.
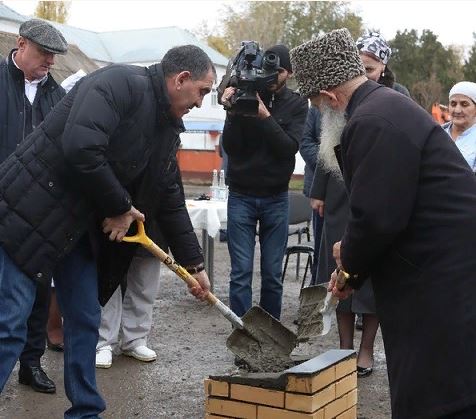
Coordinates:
x,y
411,228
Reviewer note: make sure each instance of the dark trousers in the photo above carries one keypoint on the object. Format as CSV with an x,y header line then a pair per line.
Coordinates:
x,y
36,328
317,223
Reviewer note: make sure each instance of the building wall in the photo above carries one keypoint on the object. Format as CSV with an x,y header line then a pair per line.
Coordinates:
x,y
9,26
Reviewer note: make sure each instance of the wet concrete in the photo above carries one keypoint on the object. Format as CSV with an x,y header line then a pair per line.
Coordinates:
x,y
265,344
310,321
190,340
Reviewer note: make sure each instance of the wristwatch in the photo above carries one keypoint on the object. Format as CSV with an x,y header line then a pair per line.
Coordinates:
x,y
195,269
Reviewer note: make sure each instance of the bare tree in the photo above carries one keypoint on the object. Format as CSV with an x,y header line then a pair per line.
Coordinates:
x,y
56,11
427,92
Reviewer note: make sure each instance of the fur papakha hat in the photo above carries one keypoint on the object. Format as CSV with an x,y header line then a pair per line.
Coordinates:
x,y
326,62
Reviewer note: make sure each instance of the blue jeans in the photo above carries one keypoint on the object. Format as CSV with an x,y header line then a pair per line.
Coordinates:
x,y
76,287
244,214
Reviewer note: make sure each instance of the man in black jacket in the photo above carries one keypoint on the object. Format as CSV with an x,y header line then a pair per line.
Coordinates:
x,y
103,158
28,94
411,227
261,157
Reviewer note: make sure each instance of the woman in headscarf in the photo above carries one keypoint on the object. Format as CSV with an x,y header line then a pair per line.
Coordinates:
x,y
375,54
462,125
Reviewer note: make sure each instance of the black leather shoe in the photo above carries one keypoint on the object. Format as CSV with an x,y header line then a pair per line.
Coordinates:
x,y
364,372
36,378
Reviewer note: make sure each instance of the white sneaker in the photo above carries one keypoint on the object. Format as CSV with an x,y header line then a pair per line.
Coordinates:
x,y
104,357
142,353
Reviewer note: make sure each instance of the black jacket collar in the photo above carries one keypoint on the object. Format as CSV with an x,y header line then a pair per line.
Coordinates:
x,y
162,97
359,95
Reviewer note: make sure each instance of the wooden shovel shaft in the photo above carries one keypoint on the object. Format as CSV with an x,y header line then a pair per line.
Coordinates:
x,y
181,272
341,280
178,269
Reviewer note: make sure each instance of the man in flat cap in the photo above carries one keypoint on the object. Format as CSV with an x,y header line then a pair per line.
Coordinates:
x,y
29,92
261,153
411,228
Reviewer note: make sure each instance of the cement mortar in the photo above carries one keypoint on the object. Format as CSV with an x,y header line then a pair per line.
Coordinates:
x,y
310,318
265,344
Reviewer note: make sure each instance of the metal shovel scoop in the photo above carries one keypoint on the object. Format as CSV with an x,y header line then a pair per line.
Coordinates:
x,y
316,309
265,344
258,339
315,318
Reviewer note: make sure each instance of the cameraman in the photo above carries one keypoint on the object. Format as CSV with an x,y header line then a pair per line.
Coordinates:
x,y
261,157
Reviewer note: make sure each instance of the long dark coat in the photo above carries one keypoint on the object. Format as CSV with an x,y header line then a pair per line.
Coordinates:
x,y
413,228
108,144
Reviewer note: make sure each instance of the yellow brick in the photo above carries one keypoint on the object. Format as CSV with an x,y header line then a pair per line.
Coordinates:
x,y
231,408
346,367
311,384
349,414
309,404
346,384
335,408
352,398
216,388
257,395
265,412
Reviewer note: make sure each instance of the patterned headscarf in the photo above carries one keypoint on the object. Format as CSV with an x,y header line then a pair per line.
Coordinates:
x,y
375,44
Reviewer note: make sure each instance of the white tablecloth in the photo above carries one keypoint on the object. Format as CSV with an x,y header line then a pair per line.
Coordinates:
x,y
207,215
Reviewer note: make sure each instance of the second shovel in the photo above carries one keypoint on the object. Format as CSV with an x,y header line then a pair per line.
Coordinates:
x,y
316,308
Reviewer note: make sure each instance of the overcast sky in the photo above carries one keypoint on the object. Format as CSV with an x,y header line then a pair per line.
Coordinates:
x,y
452,20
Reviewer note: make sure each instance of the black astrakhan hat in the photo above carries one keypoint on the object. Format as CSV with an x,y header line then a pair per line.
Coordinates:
x,y
326,62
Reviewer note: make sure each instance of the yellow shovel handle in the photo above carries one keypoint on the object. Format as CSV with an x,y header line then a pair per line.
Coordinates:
x,y
141,238
341,280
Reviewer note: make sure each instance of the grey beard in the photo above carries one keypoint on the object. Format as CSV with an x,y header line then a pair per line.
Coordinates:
x,y
332,125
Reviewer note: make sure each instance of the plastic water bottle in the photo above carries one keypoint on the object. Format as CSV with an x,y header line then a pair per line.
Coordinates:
x,y
222,188
214,190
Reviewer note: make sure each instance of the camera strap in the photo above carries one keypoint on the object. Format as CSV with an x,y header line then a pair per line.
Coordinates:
x,y
271,101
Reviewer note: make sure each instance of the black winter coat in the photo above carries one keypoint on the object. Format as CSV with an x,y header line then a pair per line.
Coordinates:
x,y
309,146
261,152
108,144
412,227
13,103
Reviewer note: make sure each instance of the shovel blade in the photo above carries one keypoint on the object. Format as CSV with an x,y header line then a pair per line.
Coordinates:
x,y
264,343
315,312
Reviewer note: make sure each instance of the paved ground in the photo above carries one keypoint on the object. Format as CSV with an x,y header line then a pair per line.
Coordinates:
x,y
190,339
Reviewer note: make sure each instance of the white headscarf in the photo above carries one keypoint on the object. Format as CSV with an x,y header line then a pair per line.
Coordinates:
x,y
466,88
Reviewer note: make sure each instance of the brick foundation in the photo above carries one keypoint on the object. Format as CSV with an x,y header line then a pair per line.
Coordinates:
x,y
324,387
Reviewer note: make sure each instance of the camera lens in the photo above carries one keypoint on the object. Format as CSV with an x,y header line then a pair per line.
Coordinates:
x,y
270,61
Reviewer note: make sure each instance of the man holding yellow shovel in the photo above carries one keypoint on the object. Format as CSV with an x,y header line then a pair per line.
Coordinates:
x,y
103,158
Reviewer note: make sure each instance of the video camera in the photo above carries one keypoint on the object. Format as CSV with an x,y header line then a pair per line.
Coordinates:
x,y
250,71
